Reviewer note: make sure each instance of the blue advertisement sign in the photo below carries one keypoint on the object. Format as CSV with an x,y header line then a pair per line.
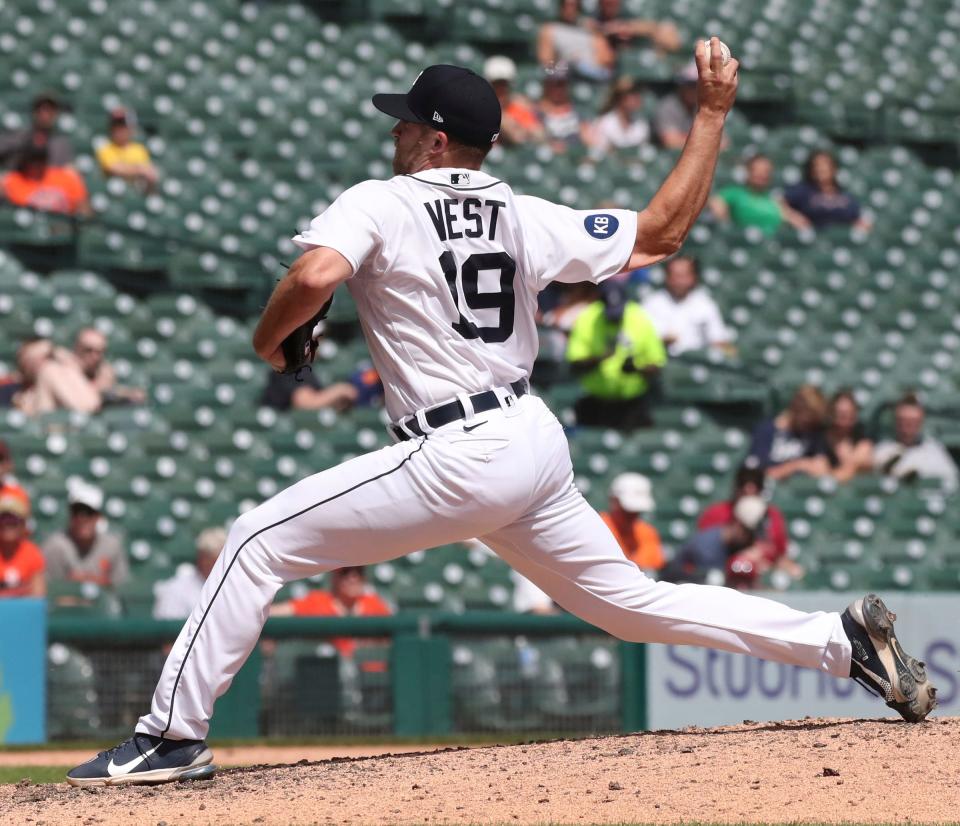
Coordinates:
x,y
23,645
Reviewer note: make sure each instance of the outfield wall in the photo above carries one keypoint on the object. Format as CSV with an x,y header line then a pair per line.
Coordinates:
x,y
79,677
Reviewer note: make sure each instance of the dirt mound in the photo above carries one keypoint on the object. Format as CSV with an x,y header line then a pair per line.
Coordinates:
x,y
823,771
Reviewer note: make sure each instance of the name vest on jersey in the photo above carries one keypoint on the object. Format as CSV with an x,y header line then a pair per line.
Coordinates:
x,y
453,219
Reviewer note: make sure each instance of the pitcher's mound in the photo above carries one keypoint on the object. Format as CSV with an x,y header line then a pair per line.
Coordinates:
x,y
818,771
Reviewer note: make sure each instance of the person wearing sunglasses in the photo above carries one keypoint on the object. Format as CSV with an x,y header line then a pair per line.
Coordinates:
x,y
90,351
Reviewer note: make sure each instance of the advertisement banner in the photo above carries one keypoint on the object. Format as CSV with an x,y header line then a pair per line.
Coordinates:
x,y
696,686
23,646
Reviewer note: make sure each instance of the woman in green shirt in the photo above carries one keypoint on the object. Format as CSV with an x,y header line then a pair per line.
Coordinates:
x,y
751,204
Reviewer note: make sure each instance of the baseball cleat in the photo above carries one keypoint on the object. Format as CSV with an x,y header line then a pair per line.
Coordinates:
x,y
145,758
879,663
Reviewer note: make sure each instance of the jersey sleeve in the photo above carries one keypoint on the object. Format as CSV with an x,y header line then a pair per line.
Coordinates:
x,y
570,245
351,225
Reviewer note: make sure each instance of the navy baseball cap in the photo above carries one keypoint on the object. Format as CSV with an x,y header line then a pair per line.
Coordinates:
x,y
450,99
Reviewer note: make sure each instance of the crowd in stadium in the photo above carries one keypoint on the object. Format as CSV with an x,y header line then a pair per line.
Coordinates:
x,y
615,345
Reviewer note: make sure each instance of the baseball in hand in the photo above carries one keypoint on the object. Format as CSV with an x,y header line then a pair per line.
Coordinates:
x,y
724,51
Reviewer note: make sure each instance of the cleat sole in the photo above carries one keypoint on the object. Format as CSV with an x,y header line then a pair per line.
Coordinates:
x,y
911,673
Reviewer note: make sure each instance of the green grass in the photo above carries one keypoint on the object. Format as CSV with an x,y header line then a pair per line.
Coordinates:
x,y
38,774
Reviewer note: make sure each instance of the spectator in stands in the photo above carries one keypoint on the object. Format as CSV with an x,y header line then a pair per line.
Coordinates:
x,y
175,598
620,126
35,183
518,122
122,157
631,499
794,441
674,115
13,489
349,596
850,451
562,125
40,135
772,539
622,31
574,42
684,313
21,563
90,350
732,547
913,454
615,349
819,198
284,392
85,552
49,379
752,204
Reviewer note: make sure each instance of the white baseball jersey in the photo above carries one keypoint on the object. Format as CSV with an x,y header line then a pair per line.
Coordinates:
x,y
447,266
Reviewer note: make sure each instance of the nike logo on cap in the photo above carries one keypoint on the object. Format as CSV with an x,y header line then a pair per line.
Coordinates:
x,y
125,768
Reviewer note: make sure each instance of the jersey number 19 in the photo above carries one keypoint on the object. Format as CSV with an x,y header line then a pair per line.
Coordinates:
x,y
503,300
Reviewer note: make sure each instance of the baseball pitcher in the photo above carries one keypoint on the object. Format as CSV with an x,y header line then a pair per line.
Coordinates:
x,y
445,263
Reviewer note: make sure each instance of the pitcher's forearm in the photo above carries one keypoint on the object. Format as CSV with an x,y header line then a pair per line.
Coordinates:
x,y
665,223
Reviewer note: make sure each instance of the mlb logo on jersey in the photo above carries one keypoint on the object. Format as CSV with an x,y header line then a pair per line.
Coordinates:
x,y
601,225
460,178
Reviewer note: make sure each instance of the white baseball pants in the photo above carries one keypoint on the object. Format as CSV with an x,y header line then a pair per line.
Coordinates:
x,y
507,481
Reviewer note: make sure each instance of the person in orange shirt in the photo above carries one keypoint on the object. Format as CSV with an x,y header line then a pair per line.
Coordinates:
x,y
34,183
630,496
21,563
519,122
349,596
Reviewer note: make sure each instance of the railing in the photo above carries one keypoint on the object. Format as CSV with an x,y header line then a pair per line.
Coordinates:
x,y
411,675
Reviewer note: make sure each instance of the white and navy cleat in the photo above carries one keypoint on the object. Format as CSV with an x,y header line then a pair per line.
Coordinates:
x,y
146,759
879,663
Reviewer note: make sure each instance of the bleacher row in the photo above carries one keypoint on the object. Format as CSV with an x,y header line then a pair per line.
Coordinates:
x,y
258,115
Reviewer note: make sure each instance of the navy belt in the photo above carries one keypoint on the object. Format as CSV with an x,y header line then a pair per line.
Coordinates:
x,y
453,411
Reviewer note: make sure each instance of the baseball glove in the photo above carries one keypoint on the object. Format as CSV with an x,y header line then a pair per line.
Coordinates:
x,y
300,347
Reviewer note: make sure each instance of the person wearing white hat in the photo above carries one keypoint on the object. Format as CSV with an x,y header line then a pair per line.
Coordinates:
x,y
518,121
86,551
713,548
631,497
